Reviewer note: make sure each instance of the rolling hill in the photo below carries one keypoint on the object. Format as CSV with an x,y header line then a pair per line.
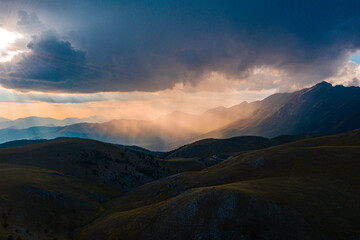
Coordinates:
x,y
207,152
47,189
96,162
308,189
85,189
224,148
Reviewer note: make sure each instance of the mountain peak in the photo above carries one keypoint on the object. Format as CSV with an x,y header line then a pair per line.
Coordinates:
x,y
323,84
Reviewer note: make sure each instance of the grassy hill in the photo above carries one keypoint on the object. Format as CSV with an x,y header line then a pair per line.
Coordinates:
x,y
41,204
85,189
24,142
211,151
308,189
93,161
48,189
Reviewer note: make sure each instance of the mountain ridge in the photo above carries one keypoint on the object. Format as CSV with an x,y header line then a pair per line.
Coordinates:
x,y
319,110
322,102
33,121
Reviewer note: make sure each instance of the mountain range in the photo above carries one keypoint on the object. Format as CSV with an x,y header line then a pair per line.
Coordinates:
x,y
28,122
297,180
319,110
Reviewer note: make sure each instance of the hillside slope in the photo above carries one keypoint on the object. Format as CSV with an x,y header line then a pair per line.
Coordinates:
x,y
94,161
208,147
321,109
39,203
47,189
308,189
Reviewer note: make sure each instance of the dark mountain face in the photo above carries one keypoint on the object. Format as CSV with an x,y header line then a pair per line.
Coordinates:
x,y
321,109
325,110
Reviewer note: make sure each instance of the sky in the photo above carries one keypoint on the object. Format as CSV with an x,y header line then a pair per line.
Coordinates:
x,y
142,59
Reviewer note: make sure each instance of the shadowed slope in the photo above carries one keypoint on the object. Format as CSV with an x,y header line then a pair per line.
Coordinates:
x,y
95,161
220,149
49,188
321,109
303,190
38,203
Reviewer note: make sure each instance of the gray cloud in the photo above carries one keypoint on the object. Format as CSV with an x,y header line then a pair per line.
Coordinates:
x,y
149,46
16,97
51,64
354,82
30,22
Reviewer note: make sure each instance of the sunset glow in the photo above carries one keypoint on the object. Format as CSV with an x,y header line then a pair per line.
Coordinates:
x,y
6,38
130,119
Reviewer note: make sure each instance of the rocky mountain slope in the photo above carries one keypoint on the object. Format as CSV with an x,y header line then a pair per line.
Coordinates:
x,y
321,109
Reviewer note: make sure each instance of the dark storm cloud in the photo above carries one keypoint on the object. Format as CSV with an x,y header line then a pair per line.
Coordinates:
x,y
137,45
51,64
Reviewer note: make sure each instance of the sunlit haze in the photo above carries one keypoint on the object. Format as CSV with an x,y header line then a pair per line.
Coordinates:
x,y
55,62
179,119
7,38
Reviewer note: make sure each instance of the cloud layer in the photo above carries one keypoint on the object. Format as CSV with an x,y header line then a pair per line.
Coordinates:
x,y
51,64
85,46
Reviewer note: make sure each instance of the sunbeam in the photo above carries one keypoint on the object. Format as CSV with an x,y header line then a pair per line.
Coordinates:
x,y
7,38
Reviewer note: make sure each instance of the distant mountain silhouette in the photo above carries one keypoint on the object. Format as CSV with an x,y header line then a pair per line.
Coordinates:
x,y
28,122
319,110
4,119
